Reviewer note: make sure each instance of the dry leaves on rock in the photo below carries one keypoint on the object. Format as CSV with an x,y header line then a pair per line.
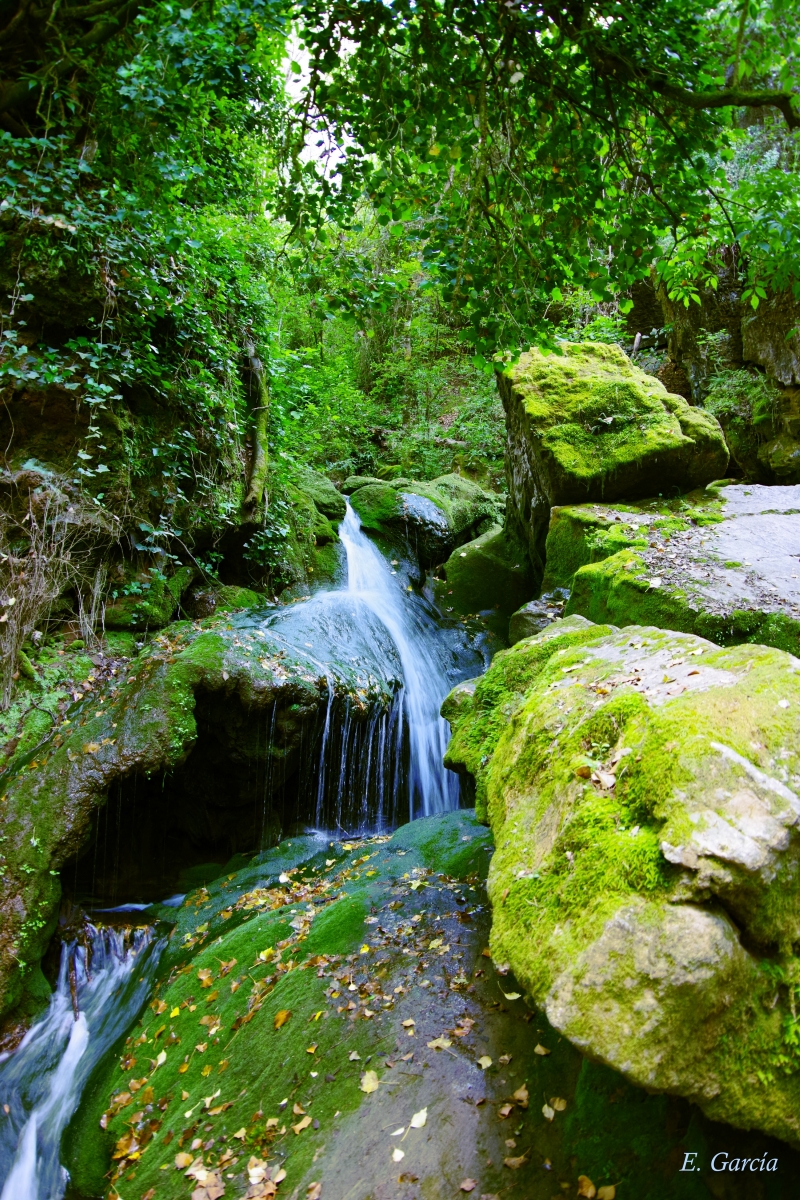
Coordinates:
x,y
440,1043
369,1082
484,1062
419,1119
314,1191
515,1163
468,1185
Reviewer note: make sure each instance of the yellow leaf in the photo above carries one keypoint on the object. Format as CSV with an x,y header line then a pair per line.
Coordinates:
x,y
241,1134
515,1163
205,977
280,1175
158,1006
434,945
586,1188
364,949
419,1119
408,1023
91,747
538,1049
521,1096
281,1017
558,1103
183,1160
183,1068
301,1125
440,1043
175,1012
207,1069
369,1082
312,1049
512,995
484,1062
608,1192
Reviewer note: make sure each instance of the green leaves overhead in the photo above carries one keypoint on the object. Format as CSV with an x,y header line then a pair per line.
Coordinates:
x,y
527,147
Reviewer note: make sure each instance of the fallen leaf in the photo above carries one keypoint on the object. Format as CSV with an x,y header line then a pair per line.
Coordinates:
x,y
586,1188
301,1125
314,1191
521,1096
505,1059
298,1110
440,1043
158,1006
398,1155
280,1175
512,995
484,1062
538,1049
241,1134
207,1069
608,1192
407,1177
176,1012
558,1103
505,1111
408,1023
205,976
653,583
312,1049
515,1163
486,952
183,1160
281,1017
369,1082
468,1185
354,1056
548,1112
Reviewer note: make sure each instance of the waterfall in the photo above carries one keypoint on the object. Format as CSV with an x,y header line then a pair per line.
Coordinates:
x,y
425,679
100,989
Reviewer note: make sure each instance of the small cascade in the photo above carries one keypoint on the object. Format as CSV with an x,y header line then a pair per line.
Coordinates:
x,y
102,983
425,678
374,760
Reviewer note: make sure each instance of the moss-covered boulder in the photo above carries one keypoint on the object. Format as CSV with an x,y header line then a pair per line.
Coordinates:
x,y
152,601
193,738
642,787
588,425
490,572
721,563
433,517
330,502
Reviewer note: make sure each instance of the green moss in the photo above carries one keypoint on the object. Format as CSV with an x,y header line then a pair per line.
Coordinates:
x,y
155,606
552,722
491,572
599,417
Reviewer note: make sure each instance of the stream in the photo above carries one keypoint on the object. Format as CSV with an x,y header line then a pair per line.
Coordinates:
x,y
375,618
101,986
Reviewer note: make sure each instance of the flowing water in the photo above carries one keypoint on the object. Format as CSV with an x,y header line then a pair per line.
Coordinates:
x,y
101,986
376,771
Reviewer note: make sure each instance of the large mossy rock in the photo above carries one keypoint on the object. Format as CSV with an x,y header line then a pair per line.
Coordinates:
x,y
588,425
433,517
721,563
330,502
642,787
490,572
225,706
372,952
154,604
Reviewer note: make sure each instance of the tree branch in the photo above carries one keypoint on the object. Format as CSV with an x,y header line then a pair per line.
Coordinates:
x,y
734,98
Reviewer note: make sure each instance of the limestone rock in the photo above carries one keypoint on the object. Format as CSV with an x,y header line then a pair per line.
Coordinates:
x,y
490,572
589,425
536,615
643,788
434,517
770,337
721,563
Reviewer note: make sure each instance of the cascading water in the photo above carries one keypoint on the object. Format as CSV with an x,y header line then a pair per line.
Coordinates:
x,y
425,678
100,989
383,764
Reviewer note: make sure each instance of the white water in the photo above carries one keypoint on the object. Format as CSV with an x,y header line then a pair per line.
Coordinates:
x,y
425,681
42,1081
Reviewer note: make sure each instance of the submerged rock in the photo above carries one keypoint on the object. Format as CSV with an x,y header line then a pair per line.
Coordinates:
x,y
643,788
433,517
722,564
589,425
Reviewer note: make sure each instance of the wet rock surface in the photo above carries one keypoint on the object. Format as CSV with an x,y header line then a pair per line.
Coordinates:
x,y
432,517
328,1017
588,425
723,563
643,790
